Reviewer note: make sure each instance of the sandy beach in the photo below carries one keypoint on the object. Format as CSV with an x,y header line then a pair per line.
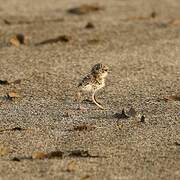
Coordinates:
x,y
44,134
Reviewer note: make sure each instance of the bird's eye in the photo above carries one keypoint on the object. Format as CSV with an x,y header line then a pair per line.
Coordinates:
x,y
106,70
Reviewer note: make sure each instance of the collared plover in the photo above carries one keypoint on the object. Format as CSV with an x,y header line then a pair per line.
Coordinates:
x,y
94,81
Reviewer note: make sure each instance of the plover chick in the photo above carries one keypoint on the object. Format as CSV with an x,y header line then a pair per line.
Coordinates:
x,y
94,81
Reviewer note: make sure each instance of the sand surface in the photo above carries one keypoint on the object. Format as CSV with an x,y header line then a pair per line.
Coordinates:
x,y
139,40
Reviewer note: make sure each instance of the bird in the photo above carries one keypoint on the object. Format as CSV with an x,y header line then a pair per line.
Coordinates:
x,y
94,81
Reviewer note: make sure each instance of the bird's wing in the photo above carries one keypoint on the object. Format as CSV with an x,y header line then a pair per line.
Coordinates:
x,y
86,80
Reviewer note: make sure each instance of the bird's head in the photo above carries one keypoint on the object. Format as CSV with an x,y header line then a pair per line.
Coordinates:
x,y
100,70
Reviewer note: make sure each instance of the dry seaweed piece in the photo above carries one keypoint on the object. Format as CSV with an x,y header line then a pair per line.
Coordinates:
x,y
71,166
15,159
83,127
85,177
21,158
17,129
7,22
62,38
121,115
153,14
42,155
39,155
142,120
18,81
4,151
37,20
79,153
84,9
12,95
89,25
174,98
55,154
4,82
19,39
177,143
175,22
134,18
13,129
14,42
93,41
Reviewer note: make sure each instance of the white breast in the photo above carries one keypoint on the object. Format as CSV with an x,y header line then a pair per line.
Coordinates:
x,y
87,87
101,85
93,87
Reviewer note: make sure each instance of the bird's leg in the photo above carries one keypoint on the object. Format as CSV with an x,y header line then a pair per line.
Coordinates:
x,y
78,98
97,100
94,100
